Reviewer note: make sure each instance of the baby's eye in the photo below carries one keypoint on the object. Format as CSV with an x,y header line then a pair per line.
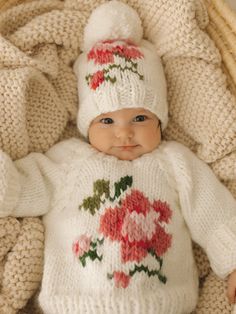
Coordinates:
x,y
106,121
140,118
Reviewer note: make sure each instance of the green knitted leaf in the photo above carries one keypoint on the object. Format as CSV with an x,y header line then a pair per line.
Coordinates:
x,y
110,276
83,260
122,186
133,69
135,65
111,79
153,253
93,255
100,241
162,278
93,245
150,273
88,77
90,254
101,187
91,203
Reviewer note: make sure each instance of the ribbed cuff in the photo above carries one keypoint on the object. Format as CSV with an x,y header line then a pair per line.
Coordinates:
x,y
221,249
9,186
171,301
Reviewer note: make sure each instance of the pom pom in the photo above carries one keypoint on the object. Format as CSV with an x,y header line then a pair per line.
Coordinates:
x,y
112,20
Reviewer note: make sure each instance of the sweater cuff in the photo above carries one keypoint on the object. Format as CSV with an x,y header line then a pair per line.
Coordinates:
x,y
9,186
221,249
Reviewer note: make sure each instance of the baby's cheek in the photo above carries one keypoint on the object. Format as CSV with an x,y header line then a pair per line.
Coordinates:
x,y
152,140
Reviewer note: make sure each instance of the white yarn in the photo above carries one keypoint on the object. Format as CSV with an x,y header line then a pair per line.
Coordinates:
x,y
64,177
112,20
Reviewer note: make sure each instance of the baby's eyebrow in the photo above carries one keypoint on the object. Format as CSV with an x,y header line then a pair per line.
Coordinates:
x,y
105,115
142,110
102,116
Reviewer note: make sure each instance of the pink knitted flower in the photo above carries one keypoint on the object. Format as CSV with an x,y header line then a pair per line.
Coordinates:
x,y
136,202
138,225
111,223
81,245
97,79
163,209
101,55
103,52
127,52
121,279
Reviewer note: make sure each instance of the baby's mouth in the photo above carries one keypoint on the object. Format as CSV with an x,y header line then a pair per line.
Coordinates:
x,y
127,147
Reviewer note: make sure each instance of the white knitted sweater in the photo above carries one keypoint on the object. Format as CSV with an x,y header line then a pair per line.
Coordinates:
x,y
118,233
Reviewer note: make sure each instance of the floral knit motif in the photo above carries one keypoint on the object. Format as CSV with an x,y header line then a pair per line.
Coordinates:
x,y
84,247
136,223
101,191
121,279
103,54
96,79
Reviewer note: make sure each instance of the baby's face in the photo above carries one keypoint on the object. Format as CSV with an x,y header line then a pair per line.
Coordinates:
x,y
126,134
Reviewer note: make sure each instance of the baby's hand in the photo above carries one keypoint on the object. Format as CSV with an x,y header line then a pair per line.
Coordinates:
x,y
231,290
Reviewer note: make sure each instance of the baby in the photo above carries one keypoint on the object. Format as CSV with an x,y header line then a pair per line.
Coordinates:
x,y
121,206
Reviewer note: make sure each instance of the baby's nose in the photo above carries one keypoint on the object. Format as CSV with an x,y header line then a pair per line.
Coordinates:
x,y
124,132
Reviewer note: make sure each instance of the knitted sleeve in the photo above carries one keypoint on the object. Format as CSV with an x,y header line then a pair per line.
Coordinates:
x,y
208,207
27,185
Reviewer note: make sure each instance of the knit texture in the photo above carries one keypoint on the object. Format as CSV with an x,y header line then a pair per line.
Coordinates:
x,y
118,74
118,69
208,302
21,268
28,41
184,36
113,228
222,29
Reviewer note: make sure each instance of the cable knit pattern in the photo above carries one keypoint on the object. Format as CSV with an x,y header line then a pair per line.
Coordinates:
x,y
162,21
115,224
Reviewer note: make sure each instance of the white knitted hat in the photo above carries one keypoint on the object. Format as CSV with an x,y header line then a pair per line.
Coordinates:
x,y
118,69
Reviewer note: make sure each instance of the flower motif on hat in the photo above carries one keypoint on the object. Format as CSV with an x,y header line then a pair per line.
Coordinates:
x,y
103,53
96,79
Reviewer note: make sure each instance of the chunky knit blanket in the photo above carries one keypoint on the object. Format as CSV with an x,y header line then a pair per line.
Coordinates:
x,y
39,41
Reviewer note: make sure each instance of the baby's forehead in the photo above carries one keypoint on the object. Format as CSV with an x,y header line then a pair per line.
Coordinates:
x,y
126,112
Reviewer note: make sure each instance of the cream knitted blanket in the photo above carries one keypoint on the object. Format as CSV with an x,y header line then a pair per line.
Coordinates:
x,y
39,42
